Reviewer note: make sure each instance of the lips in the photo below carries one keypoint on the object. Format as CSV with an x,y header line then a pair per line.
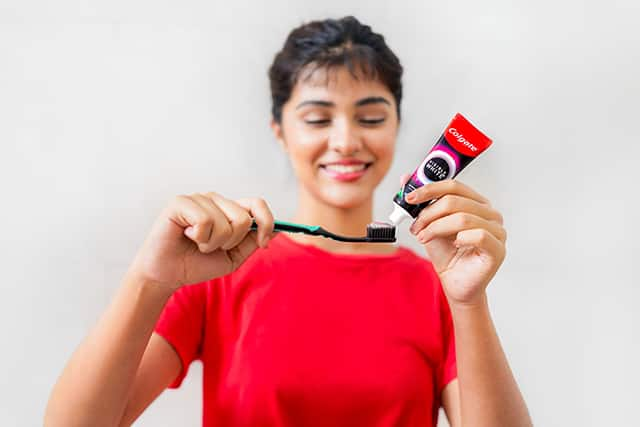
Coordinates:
x,y
345,171
346,168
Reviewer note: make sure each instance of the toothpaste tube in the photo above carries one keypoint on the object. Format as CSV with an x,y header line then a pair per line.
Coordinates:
x,y
460,143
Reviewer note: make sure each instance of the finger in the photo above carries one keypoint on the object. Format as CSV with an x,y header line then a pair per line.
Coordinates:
x,y
195,221
261,213
435,190
451,225
237,217
221,230
450,204
483,240
210,211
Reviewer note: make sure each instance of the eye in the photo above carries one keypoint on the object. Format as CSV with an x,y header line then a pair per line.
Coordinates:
x,y
372,121
317,122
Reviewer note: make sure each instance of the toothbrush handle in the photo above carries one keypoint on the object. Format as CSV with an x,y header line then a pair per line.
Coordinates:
x,y
290,227
312,230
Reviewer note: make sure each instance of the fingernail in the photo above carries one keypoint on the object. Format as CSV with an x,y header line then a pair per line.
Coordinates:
x,y
410,197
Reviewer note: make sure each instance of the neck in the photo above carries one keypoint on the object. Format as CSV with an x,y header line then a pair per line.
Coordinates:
x,y
350,222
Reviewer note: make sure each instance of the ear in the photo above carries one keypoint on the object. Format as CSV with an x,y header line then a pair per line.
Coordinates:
x,y
278,132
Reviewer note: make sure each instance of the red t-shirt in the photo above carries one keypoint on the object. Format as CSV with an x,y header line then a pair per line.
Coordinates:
x,y
299,336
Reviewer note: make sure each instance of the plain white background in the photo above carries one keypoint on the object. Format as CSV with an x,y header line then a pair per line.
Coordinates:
x,y
107,109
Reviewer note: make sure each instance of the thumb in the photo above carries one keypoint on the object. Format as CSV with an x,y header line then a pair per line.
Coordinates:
x,y
404,178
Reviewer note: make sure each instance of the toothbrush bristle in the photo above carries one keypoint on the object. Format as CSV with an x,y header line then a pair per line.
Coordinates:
x,y
381,232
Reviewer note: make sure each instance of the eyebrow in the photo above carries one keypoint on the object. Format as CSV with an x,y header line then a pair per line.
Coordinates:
x,y
364,101
372,100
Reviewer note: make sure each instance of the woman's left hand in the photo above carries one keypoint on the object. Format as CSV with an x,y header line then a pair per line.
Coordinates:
x,y
463,235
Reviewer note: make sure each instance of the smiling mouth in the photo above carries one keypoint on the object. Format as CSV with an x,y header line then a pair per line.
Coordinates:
x,y
346,169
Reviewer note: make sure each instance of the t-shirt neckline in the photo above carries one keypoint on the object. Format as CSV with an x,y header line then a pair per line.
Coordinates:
x,y
314,250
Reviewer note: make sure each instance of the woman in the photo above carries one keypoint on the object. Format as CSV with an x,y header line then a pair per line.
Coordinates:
x,y
301,331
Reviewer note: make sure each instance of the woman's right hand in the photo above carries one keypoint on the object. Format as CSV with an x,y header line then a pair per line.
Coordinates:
x,y
201,237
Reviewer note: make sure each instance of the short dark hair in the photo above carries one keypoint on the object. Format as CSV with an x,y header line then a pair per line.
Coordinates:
x,y
330,43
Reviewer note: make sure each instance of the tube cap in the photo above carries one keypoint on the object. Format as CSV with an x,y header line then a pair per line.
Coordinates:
x,y
398,215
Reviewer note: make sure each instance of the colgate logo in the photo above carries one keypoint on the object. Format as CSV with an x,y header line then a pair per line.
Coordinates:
x,y
462,140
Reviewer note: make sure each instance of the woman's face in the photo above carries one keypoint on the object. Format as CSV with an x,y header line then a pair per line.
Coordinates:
x,y
340,134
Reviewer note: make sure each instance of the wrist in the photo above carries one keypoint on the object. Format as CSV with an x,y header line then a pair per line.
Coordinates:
x,y
477,304
148,286
471,317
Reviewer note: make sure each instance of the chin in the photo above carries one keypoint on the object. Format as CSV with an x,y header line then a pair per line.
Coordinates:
x,y
346,198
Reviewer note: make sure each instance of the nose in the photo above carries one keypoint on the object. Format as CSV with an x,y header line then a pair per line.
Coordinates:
x,y
344,139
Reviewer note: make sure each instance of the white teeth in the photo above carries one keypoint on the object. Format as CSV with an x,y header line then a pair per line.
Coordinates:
x,y
346,168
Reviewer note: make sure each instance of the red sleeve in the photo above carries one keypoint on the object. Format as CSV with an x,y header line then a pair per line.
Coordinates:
x,y
448,370
182,325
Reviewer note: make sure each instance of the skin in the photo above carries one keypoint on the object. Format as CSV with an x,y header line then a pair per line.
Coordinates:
x,y
314,135
122,366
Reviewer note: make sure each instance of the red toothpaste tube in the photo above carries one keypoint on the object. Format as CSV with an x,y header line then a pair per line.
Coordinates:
x,y
460,143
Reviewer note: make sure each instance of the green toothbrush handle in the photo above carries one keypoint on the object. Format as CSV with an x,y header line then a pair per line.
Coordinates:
x,y
291,227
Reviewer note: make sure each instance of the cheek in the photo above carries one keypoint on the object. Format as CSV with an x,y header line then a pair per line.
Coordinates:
x,y
383,146
304,147
304,155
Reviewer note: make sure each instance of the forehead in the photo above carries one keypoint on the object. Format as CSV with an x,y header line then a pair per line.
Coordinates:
x,y
338,84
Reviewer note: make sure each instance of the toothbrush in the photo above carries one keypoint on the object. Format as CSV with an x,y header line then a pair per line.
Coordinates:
x,y
377,232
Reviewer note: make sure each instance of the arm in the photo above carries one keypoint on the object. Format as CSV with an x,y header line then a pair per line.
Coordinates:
x,y
464,238
485,393
97,383
159,366
121,367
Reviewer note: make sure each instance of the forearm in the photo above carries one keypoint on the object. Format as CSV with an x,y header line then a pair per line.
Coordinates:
x,y
489,395
94,386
